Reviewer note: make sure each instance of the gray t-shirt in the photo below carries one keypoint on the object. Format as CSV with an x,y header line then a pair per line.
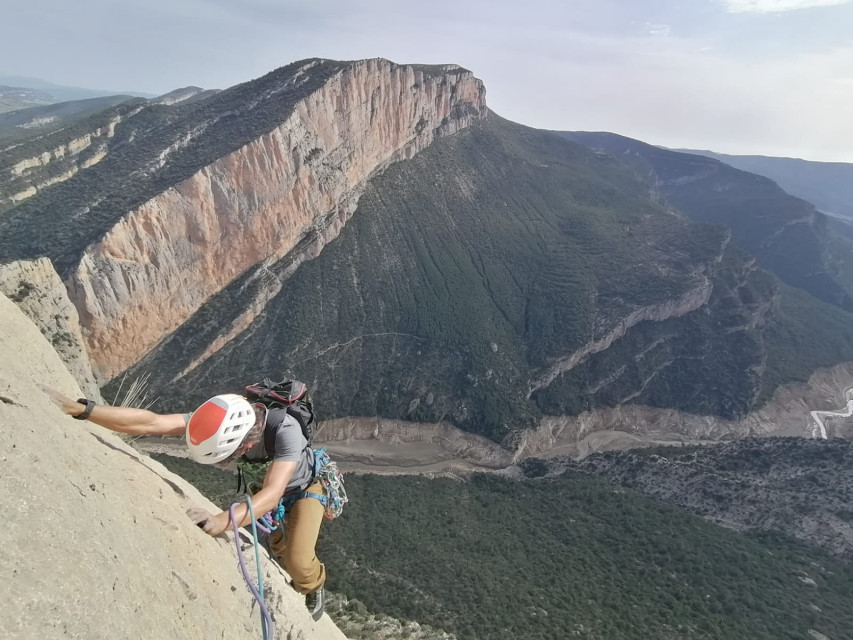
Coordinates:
x,y
290,446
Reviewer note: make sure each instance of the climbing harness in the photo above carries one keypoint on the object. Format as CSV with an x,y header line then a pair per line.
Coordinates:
x,y
267,626
333,498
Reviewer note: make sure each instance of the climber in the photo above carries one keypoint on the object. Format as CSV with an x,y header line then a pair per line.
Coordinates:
x,y
223,429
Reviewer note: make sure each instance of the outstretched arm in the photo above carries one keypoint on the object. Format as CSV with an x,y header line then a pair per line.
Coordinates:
x,y
275,483
123,419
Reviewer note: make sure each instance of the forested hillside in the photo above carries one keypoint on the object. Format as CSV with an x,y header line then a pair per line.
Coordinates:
x,y
495,558
374,230
801,487
827,185
787,234
17,126
504,273
134,166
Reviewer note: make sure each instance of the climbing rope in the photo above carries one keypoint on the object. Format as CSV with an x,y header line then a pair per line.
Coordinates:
x,y
258,592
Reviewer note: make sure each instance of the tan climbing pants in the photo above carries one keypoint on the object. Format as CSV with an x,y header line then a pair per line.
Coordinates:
x,y
296,547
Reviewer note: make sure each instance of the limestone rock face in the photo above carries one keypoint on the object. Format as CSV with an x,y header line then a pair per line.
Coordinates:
x,y
37,289
165,258
96,543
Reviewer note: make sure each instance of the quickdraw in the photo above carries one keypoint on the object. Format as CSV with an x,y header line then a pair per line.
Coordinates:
x,y
332,480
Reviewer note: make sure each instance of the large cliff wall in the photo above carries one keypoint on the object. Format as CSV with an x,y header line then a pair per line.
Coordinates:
x,y
96,543
155,267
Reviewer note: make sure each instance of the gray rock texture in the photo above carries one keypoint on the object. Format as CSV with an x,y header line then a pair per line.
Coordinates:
x,y
38,291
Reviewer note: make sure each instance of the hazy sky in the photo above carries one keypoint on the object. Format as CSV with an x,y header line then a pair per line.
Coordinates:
x,y
773,77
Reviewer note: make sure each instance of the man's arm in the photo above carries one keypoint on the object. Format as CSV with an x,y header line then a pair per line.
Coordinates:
x,y
275,483
123,419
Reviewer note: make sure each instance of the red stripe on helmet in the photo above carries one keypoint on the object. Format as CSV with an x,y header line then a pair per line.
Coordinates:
x,y
205,422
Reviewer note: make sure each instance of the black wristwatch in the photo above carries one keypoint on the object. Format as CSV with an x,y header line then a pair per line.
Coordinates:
x,y
90,404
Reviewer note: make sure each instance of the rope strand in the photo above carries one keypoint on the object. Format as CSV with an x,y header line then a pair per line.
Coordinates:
x,y
267,626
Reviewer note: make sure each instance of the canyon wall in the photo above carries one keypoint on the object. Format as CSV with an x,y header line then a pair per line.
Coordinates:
x,y
164,259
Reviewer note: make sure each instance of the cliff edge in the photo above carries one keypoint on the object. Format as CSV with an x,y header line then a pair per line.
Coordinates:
x,y
96,543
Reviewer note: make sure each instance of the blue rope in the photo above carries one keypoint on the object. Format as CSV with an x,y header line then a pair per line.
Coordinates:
x,y
266,619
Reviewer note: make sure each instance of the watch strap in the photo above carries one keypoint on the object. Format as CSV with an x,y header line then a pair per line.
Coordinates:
x,y
90,404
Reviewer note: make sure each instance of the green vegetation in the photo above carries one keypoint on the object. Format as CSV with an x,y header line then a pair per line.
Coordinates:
x,y
502,247
785,233
800,487
48,119
23,291
801,320
495,558
827,185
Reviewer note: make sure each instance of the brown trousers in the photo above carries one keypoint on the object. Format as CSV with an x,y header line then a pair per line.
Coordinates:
x,y
295,548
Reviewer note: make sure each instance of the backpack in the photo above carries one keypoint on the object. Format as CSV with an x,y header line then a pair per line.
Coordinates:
x,y
290,394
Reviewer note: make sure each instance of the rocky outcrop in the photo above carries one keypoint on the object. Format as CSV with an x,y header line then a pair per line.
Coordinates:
x,y
690,301
97,543
165,258
39,293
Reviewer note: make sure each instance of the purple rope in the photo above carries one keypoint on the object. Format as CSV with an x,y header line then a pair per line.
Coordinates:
x,y
264,523
267,619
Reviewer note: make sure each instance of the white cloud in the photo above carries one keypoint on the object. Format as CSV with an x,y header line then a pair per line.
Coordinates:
x,y
776,6
658,30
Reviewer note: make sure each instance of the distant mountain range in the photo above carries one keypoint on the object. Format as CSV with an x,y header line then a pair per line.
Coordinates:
x,y
35,120
21,92
786,234
827,185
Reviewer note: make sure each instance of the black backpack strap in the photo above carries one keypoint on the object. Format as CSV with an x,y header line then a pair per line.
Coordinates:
x,y
270,432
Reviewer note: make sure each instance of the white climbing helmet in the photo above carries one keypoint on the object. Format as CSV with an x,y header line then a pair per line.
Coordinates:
x,y
217,427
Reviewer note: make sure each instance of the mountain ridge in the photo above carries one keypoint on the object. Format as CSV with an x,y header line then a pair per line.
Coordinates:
x,y
520,275
787,234
333,158
824,184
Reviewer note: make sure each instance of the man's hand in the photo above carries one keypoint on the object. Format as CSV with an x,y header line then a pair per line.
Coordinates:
x,y
211,524
137,422
67,405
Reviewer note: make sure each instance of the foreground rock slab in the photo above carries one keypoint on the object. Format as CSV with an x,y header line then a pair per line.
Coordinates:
x,y
95,539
